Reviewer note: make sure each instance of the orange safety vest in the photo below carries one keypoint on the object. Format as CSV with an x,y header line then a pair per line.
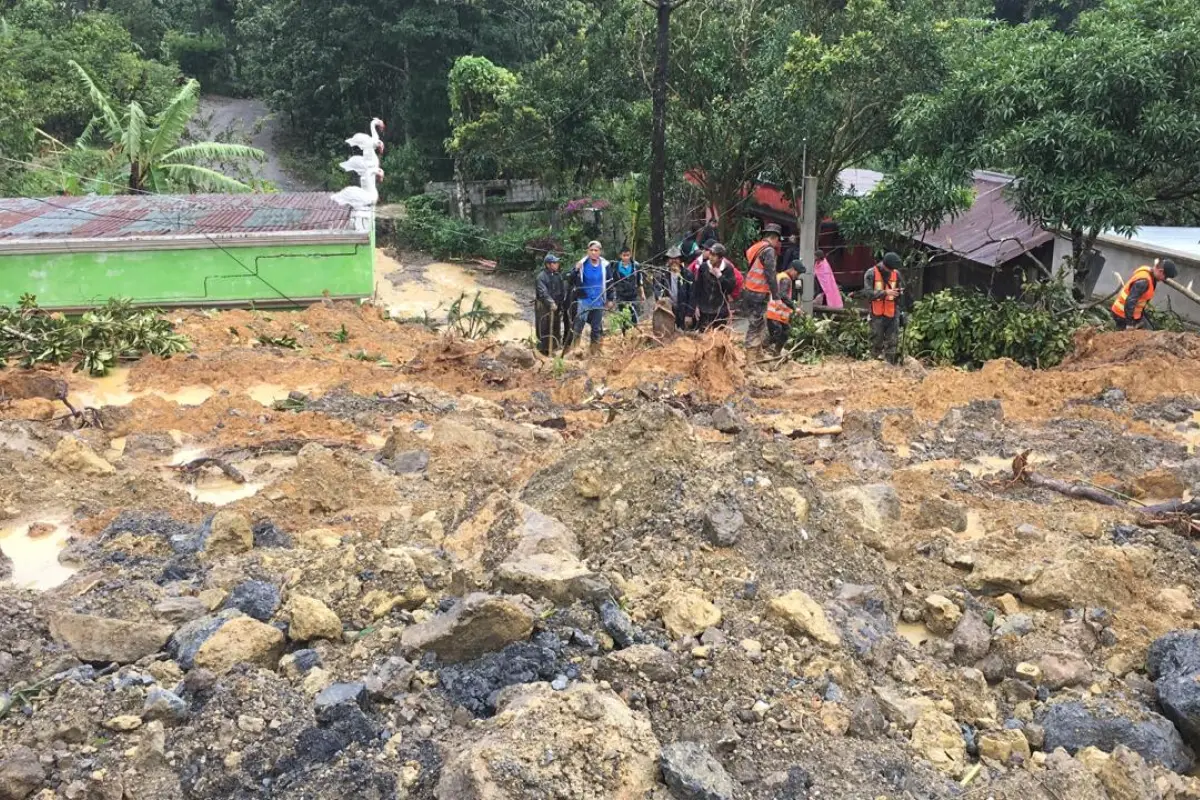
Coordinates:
x,y
1118,307
756,278
885,307
777,310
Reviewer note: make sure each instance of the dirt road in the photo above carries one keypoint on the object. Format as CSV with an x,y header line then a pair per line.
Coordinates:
x,y
251,118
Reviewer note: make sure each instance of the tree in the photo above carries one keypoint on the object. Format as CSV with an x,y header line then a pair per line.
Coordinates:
x,y
1099,123
658,125
147,150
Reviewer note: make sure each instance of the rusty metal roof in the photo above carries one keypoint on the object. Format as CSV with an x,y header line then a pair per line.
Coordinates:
x,y
991,232
124,216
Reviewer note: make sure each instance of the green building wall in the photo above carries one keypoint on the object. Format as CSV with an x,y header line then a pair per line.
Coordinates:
x,y
227,275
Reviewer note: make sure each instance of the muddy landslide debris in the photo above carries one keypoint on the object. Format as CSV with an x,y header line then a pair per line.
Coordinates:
x,y
469,575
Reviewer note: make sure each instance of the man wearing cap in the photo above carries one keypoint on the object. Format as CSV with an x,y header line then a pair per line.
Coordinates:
x,y
550,306
592,295
715,281
882,286
676,287
761,286
1129,309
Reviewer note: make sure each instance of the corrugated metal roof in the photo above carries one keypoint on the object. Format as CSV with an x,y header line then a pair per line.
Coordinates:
x,y
119,216
990,232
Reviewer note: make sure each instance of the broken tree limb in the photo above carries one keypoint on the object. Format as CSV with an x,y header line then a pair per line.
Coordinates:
x,y
195,465
1183,290
1070,489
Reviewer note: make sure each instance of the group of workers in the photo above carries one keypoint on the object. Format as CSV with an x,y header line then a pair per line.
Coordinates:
x,y
703,292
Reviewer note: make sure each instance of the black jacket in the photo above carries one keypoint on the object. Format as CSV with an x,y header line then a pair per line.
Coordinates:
x,y
624,289
551,287
710,294
683,292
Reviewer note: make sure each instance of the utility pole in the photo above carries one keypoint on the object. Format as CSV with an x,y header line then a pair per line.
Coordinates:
x,y
808,240
658,124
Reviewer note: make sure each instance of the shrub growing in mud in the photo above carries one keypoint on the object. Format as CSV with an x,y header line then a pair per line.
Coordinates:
x,y
99,339
811,338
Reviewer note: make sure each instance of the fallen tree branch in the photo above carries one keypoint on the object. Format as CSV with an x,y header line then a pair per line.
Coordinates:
x,y
1075,490
193,467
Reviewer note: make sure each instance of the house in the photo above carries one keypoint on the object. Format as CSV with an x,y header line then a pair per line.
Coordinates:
x,y
73,253
989,246
1117,256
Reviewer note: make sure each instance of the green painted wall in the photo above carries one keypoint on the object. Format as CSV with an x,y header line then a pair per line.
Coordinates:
x,y
197,276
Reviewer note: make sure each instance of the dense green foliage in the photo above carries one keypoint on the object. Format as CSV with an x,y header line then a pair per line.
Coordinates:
x,y
97,340
427,227
965,327
812,338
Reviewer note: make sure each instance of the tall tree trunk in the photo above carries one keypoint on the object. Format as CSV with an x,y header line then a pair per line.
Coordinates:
x,y
658,133
658,125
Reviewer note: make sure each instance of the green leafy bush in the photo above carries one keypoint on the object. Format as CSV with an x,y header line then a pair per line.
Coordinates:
x,y
812,338
98,339
966,327
427,227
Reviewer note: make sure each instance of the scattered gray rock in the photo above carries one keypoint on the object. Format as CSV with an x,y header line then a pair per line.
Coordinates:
x,y
790,784
20,773
6,566
1074,726
937,512
1016,625
1174,653
645,659
389,678
971,639
866,718
727,420
407,462
617,624
723,526
165,706
560,683
179,610
257,599
692,773
342,694
1174,663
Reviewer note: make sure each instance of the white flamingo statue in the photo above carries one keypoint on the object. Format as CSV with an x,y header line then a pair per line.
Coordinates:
x,y
361,199
369,142
365,164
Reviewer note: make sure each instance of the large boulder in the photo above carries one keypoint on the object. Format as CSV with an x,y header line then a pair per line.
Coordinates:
x,y
477,624
309,618
257,599
241,641
803,615
937,738
867,511
230,534
692,773
1074,726
559,577
106,640
74,456
601,749
1174,664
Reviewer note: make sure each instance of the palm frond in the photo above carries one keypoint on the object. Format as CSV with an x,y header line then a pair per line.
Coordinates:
x,y
111,121
212,151
136,133
202,178
172,121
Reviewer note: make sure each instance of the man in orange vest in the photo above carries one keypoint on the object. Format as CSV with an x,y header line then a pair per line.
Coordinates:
x,y
882,286
779,311
761,287
1129,310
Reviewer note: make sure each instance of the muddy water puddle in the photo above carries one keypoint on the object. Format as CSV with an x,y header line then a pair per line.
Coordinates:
x,y
113,390
35,557
214,487
434,292
916,633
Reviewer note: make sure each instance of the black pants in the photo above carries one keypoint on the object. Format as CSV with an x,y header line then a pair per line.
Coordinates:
x,y
885,337
716,319
551,326
1125,324
777,334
